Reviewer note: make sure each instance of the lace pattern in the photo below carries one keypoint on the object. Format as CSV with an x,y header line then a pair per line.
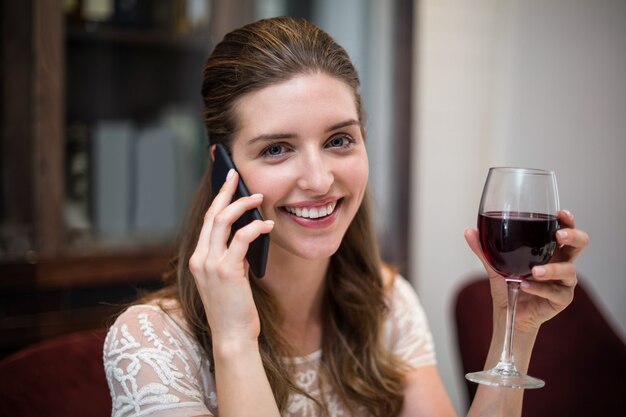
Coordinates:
x,y
154,368
307,378
150,370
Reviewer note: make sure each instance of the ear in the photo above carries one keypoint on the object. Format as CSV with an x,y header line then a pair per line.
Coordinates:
x,y
212,153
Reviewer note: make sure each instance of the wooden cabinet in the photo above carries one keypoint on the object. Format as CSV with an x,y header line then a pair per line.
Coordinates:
x,y
56,74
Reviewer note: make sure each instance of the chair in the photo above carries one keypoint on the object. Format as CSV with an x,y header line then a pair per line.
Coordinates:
x,y
577,353
58,377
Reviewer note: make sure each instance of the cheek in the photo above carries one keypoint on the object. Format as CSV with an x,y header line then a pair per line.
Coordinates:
x,y
269,182
357,175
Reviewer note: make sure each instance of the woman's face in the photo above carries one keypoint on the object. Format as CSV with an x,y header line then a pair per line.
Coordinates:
x,y
299,143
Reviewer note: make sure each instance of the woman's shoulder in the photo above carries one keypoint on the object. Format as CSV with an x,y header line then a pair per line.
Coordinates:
x,y
388,274
153,365
161,310
157,323
395,284
407,332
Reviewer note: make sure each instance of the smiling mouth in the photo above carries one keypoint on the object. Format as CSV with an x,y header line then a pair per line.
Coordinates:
x,y
312,212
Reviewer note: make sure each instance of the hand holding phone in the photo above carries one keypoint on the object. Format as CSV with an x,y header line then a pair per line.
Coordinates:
x,y
258,249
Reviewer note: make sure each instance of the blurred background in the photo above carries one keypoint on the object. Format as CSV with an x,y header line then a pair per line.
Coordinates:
x,y
103,145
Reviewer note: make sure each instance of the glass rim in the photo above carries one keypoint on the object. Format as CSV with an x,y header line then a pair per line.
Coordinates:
x,y
535,171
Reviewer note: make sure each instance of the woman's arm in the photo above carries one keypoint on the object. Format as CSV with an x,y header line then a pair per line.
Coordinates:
x,y
542,296
545,294
425,394
221,275
242,385
498,401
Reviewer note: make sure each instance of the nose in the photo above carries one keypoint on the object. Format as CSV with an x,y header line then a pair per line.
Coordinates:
x,y
316,172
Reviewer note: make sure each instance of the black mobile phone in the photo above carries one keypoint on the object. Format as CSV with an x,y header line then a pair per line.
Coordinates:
x,y
257,252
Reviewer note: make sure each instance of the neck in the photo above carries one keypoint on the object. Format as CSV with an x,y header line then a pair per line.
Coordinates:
x,y
298,287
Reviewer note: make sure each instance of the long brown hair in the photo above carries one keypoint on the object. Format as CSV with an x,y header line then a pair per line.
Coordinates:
x,y
354,362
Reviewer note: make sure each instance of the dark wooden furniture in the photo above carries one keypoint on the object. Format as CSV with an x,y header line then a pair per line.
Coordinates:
x,y
51,283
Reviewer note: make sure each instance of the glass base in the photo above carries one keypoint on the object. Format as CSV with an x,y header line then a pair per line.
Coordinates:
x,y
505,378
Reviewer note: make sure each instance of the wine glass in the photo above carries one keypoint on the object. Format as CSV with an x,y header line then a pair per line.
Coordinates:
x,y
517,224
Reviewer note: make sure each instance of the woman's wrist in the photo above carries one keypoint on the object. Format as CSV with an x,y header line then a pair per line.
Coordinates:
x,y
241,381
225,349
499,323
523,342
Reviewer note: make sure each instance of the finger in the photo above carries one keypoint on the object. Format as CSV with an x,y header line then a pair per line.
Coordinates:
x,y
225,195
223,221
571,243
572,237
558,295
221,200
566,219
242,239
564,272
471,236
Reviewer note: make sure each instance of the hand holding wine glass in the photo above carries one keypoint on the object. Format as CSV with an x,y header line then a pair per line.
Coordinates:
x,y
518,221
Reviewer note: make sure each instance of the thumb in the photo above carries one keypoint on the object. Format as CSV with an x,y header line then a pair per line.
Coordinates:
x,y
471,236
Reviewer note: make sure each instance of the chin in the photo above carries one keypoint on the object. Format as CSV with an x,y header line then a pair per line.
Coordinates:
x,y
320,254
311,250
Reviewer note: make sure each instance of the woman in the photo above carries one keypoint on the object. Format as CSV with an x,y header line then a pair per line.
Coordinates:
x,y
330,330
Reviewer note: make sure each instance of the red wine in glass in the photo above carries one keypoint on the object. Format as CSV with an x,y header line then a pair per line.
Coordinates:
x,y
515,242
517,225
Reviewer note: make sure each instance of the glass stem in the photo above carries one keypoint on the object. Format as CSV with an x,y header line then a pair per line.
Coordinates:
x,y
507,361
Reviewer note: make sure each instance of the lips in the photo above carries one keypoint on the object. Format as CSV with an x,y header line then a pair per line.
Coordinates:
x,y
314,212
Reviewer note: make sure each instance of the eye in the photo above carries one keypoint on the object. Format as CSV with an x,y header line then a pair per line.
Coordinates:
x,y
340,141
274,150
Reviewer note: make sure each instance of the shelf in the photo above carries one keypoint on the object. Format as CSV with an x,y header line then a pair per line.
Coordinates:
x,y
105,268
52,280
77,290
95,267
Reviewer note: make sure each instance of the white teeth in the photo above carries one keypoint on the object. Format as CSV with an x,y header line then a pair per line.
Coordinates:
x,y
313,212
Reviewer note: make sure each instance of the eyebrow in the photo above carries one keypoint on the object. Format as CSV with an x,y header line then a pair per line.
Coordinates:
x,y
278,136
347,123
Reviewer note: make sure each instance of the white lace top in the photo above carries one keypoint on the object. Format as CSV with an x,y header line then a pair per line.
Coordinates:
x,y
154,367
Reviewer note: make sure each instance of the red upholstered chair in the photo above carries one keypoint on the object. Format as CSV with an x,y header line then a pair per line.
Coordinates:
x,y
58,377
577,353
